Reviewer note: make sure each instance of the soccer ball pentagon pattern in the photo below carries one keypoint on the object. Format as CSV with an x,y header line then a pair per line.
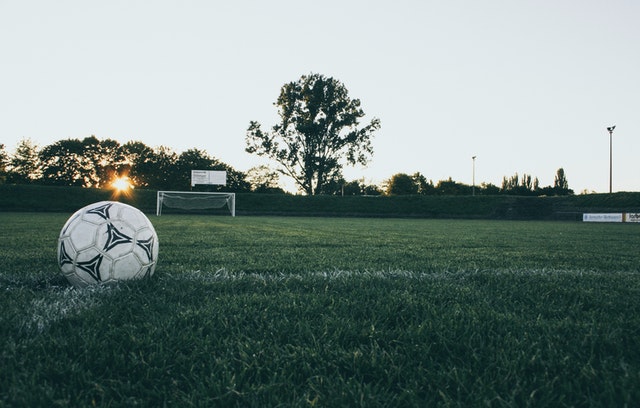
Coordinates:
x,y
107,241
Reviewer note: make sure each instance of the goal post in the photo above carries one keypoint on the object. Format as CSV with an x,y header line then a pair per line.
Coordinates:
x,y
195,200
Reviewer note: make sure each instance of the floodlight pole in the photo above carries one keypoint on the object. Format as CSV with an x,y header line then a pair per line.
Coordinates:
x,y
473,188
610,160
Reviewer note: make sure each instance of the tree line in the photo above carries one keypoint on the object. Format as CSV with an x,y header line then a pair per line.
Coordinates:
x,y
524,185
91,162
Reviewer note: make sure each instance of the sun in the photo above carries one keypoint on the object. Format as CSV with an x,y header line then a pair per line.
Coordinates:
x,y
122,185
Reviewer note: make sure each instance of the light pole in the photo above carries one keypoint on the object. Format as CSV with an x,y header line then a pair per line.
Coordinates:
x,y
610,129
473,188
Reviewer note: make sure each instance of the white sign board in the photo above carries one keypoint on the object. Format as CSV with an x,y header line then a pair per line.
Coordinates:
x,y
602,217
216,177
632,217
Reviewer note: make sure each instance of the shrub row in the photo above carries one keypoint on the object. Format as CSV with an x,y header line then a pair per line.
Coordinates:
x,y
68,199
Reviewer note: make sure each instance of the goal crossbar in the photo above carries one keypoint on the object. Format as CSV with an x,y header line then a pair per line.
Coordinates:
x,y
195,200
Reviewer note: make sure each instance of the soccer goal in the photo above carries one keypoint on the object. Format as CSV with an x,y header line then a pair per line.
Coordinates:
x,y
192,201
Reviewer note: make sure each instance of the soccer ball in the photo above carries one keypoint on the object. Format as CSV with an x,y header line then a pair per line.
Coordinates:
x,y
106,242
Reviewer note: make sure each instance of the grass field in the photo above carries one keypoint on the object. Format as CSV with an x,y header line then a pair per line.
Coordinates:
x,y
326,312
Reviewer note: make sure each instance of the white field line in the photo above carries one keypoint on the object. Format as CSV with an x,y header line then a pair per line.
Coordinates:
x,y
60,303
225,275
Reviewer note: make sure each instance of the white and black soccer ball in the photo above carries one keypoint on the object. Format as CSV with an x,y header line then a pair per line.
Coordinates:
x,y
107,242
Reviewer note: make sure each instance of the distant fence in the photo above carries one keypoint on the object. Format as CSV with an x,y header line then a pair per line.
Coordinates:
x,y
611,217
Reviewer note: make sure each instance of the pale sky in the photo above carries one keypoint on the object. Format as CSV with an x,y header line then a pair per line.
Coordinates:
x,y
526,86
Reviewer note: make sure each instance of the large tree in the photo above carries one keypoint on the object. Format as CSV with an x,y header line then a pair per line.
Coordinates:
x,y
318,132
89,162
62,164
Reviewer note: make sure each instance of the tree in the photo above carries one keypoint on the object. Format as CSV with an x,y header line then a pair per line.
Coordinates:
x,y
24,165
351,188
401,184
318,132
101,161
158,169
488,189
425,187
62,163
516,186
371,190
561,184
89,162
510,184
450,187
264,180
135,155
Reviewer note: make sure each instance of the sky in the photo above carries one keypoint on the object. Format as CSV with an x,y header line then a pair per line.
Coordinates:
x,y
527,87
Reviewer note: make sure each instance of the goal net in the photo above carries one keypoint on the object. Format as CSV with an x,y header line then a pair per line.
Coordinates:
x,y
195,201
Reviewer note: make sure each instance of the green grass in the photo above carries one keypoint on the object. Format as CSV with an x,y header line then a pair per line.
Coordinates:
x,y
268,311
